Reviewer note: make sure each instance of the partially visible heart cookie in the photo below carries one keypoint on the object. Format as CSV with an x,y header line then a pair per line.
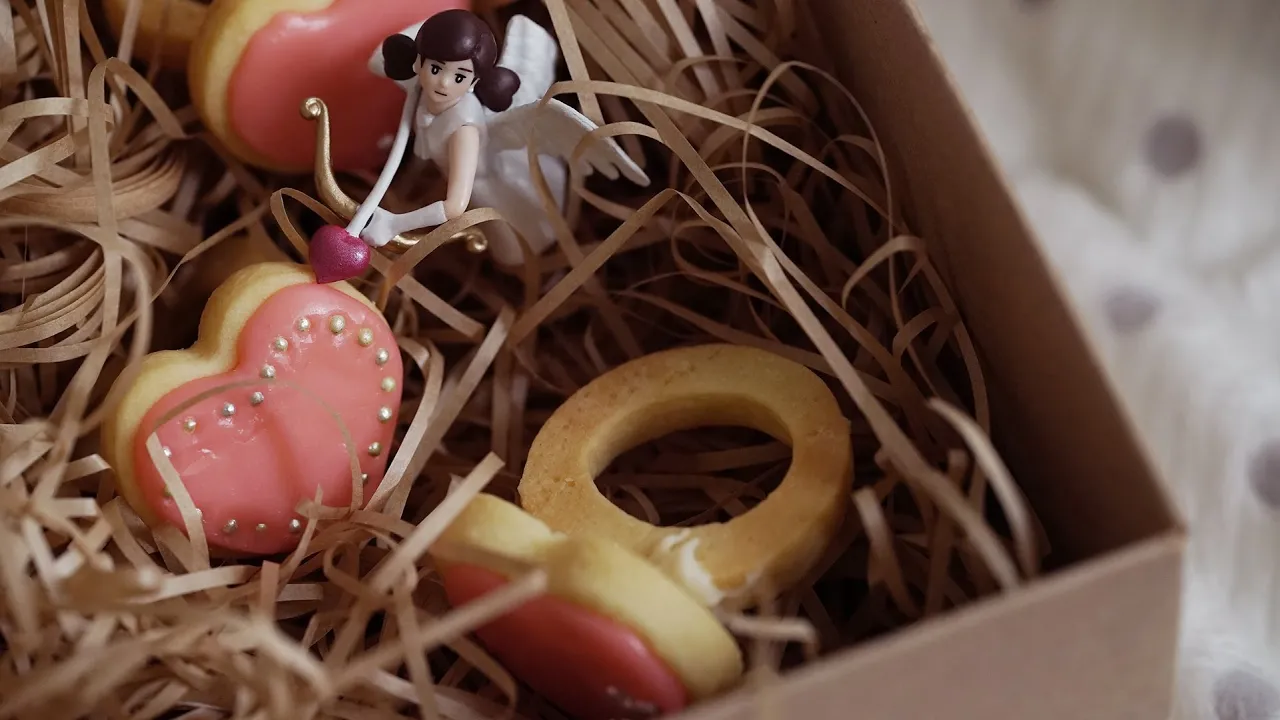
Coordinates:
x,y
255,61
612,637
249,455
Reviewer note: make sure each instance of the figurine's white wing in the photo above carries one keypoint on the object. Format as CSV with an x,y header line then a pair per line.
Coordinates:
x,y
530,52
375,60
556,129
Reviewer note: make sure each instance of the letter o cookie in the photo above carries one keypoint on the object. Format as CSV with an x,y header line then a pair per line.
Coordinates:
x,y
771,546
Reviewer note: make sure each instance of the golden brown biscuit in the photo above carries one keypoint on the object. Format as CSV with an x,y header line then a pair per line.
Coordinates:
x,y
771,546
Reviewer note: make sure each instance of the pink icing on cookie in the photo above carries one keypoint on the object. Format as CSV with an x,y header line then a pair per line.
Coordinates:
x,y
322,54
250,454
591,666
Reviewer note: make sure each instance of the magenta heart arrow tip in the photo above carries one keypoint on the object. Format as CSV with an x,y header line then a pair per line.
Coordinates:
x,y
337,255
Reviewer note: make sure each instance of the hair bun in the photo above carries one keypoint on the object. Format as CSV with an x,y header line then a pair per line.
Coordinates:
x,y
454,36
398,56
497,87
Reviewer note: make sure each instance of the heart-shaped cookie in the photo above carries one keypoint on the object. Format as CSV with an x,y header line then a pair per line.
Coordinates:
x,y
612,637
255,61
298,352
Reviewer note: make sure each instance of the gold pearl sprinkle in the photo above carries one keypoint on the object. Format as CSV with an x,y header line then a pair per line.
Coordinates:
x,y
295,525
382,356
337,324
260,527
268,372
257,399
167,451
228,410
280,344
231,526
364,478
167,494
303,325
388,384
375,449
384,414
366,337
189,424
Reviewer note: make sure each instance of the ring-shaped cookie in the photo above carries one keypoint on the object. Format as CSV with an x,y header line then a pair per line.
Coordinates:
x,y
611,634
173,24
769,547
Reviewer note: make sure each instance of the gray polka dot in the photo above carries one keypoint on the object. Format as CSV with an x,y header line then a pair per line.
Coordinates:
x,y
1264,473
1173,145
1242,695
1130,309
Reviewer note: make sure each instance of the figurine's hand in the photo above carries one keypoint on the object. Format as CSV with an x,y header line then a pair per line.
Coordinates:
x,y
384,226
380,229
454,208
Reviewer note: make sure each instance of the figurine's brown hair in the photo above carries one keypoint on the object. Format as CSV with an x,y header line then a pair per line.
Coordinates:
x,y
454,36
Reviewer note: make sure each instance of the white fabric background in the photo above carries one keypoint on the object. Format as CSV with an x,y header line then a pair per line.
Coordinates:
x,y
1142,138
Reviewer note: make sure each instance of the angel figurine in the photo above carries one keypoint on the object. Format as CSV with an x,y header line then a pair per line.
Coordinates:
x,y
475,116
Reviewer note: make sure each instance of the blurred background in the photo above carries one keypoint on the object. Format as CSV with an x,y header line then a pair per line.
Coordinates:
x,y
1140,138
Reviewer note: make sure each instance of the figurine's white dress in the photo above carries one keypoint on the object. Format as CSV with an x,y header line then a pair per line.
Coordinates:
x,y
517,201
503,178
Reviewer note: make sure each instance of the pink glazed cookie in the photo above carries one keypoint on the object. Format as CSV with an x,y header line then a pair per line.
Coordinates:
x,y
298,353
613,637
255,61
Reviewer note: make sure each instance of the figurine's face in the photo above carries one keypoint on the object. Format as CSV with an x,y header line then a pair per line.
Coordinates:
x,y
444,83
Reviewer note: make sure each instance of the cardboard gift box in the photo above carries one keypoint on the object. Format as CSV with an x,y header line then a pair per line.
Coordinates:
x,y
1094,637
